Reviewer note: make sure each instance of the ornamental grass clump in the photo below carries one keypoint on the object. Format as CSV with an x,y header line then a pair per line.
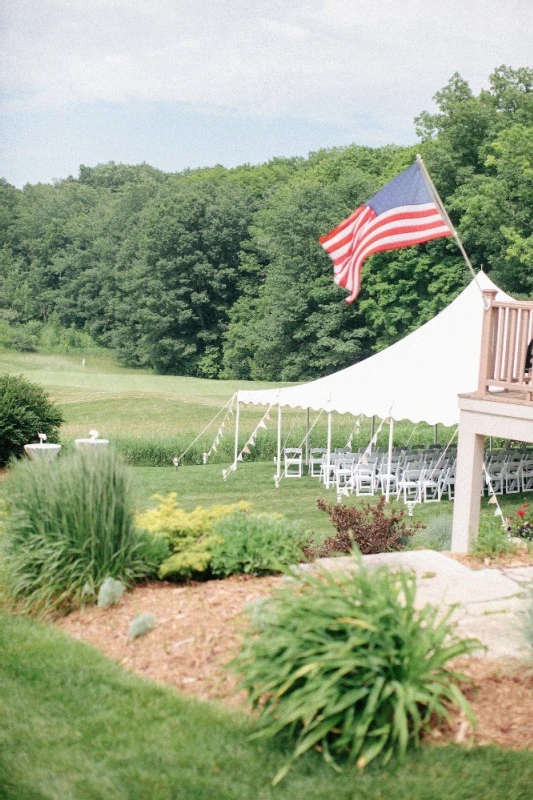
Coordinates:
x,y
69,526
346,664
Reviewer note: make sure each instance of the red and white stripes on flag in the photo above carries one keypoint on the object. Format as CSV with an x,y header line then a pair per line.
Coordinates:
x,y
384,223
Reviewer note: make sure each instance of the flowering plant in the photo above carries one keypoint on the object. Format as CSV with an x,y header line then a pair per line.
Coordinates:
x,y
521,524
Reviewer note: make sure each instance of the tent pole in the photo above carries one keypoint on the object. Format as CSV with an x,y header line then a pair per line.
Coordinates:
x,y
328,460
389,461
435,433
372,429
278,460
307,439
236,433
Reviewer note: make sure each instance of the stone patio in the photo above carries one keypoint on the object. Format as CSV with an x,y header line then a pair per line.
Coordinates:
x,y
489,601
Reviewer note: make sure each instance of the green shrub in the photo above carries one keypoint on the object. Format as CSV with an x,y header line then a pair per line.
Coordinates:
x,y
255,543
188,534
493,540
69,525
347,663
25,411
24,338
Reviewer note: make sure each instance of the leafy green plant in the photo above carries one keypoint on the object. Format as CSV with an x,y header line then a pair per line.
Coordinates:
x,y
255,543
25,411
493,540
188,534
69,525
368,526
347,664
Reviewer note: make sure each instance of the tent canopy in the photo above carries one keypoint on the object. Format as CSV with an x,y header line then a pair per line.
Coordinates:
x,y
417,378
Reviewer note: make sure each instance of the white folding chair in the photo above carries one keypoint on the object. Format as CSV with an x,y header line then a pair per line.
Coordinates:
x,y
513,471
327,469
449,481
433,483
344,468
526,474
315,461
365,475
293,462
410,484
391,477
495,475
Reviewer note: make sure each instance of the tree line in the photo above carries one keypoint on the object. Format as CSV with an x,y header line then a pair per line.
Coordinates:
x,y
218,272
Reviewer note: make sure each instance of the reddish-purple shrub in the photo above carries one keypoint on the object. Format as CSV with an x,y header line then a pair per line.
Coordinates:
x,y
367,526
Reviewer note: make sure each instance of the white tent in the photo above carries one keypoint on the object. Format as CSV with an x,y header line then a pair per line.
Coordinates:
x,y
418,378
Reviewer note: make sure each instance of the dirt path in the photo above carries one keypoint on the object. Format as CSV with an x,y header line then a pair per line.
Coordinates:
x,y
198,630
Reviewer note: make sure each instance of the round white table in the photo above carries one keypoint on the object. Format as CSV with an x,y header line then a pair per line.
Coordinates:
x,y
90,444
42,450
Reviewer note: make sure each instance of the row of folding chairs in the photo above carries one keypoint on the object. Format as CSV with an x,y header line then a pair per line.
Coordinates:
x,y
508,472
418,474
422,477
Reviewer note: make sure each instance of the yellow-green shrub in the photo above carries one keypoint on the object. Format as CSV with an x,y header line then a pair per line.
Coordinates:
x,y
188,533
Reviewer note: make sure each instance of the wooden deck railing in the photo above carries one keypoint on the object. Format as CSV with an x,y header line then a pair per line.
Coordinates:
x,y
506,350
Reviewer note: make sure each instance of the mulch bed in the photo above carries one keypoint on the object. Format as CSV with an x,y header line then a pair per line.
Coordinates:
x,y
198,631
523,558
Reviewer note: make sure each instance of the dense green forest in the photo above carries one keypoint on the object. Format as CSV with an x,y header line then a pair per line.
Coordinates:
x,y
218,273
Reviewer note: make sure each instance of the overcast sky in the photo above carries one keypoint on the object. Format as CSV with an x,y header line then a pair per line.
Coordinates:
x,y
187,83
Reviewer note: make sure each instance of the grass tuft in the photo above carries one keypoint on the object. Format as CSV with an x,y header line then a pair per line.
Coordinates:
x,y
69,525
348,664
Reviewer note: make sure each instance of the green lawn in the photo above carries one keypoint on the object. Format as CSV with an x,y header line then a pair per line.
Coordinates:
x,y
75,726
296,497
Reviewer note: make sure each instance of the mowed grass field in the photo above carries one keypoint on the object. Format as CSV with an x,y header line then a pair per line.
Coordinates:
x,y
94,391
119,401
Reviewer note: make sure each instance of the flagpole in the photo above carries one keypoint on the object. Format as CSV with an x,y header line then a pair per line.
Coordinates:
x,y
436,196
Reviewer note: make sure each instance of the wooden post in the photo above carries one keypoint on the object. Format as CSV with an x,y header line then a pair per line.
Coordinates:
x,y
467,490
486,341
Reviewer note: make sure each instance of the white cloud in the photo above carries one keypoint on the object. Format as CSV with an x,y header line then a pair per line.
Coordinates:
x,y
320,59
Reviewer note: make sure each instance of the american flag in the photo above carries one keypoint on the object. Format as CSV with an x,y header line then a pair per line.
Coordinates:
x,y
401,214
